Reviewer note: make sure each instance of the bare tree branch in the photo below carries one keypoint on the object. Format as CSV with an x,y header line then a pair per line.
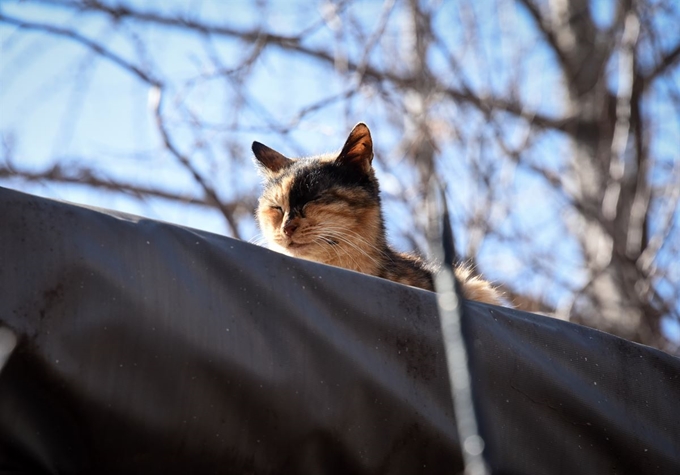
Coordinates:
x,y
209,191
73,35
295,44
92,178
669,60
546,29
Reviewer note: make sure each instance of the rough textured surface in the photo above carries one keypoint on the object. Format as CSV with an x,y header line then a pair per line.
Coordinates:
x,y
150,348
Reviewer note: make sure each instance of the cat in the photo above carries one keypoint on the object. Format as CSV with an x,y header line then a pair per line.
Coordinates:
x,y
327,209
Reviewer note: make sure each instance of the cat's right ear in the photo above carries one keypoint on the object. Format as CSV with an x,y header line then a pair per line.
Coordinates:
x,y
358,149
269,161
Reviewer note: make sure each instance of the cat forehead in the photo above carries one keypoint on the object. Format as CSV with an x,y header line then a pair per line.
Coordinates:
x,y
303,170
306,178
323,158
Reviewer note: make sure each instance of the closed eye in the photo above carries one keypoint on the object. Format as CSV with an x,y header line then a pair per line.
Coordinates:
x,y
277,208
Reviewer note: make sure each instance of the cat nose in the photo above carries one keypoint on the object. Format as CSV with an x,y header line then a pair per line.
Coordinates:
x,y
289,228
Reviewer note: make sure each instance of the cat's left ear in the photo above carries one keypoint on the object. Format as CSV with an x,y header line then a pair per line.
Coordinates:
x,y
358,149
269,160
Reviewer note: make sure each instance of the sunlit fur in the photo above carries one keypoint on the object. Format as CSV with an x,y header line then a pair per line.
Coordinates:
x,y
332,206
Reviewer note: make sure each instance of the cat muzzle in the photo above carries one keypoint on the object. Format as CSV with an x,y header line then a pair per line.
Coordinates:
x,y
290,227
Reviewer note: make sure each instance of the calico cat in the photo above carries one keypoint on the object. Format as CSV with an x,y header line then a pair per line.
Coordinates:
x,y
327,209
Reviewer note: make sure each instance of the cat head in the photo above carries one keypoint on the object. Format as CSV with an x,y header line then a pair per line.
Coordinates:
x,y
324,208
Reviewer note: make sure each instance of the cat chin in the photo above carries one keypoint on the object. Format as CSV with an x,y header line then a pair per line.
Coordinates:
x,y
295,250
275,247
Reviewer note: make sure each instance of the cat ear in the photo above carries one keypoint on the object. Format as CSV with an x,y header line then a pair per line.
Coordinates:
x,y
358,149
270,161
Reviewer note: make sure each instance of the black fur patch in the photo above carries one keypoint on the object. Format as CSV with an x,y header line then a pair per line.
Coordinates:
x,y
317,181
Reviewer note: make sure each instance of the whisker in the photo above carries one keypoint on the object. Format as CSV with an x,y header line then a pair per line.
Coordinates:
x,y
345,251
319,242
335,233
348,254
357,248
356,235
258,240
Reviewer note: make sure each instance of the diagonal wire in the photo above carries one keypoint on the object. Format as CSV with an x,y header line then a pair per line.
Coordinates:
x,y
449,299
